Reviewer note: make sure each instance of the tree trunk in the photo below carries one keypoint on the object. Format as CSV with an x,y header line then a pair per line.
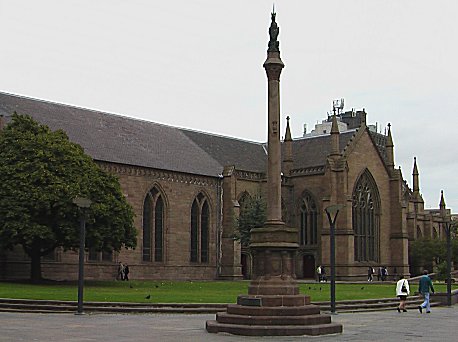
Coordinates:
x,y
3,265
35,266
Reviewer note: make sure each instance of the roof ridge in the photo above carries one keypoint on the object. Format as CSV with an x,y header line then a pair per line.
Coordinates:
x,y
63,104
219,135
72,106
123,116
348,131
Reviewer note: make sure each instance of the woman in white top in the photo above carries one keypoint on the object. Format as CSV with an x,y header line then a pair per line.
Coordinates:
x,y
402,291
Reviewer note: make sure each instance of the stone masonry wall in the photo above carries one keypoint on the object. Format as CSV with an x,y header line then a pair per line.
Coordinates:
x,y
179,192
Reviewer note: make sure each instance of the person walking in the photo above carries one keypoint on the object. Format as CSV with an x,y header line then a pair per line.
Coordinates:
x,y
402,291
120,275
323,274
318,272
425,287
384,273
126,272
370,274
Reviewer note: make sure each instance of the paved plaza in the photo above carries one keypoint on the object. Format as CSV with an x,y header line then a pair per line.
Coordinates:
x,y
440,325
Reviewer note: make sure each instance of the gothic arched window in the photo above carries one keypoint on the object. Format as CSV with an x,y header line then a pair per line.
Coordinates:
x,y
419,233
308,220
244,200
200,225
366,218
153,226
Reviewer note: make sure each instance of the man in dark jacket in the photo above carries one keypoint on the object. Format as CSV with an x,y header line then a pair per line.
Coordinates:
x,y
425,287
126,272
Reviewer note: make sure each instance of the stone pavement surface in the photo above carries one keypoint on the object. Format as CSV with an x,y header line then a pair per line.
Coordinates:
x,y
440,325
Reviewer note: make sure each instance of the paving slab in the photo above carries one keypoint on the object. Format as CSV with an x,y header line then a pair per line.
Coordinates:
x,y
440,325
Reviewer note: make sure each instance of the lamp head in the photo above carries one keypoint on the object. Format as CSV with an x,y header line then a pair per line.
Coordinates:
x,y
333,209
82,202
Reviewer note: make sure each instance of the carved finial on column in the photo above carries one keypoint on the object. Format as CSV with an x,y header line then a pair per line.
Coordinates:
x,y
416,181
389,149
442,205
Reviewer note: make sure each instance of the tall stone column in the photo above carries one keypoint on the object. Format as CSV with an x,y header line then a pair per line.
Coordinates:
x,y
273,305
273,66
273,246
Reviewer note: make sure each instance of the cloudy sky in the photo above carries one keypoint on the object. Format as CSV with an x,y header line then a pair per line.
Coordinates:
x,y
198,64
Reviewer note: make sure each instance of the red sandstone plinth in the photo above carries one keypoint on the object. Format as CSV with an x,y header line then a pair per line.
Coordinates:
x,y
273,306
275,315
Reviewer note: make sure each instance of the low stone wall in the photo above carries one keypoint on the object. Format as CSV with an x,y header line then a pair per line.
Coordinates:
x,y
68,271
441,297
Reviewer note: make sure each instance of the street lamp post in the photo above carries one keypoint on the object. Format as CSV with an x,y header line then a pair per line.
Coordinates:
x,y
332,212
82,203
448,227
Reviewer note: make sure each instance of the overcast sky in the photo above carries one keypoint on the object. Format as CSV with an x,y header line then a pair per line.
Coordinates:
x,y
198,64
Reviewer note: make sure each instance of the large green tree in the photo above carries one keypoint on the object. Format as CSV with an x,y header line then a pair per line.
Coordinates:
x,y
252,215
41,172
427,252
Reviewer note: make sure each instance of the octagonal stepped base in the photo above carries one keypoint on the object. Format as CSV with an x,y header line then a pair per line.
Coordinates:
x,y
225,318
283,315
274,330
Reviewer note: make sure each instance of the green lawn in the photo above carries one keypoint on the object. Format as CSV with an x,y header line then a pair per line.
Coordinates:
x,y
185,291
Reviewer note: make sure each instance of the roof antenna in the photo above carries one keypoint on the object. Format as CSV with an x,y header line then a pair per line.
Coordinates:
x,y
273,7
339,105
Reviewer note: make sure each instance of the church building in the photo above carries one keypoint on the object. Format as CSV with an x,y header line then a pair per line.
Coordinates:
x,y
187,187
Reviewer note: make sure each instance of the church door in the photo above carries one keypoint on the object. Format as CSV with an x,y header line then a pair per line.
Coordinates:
x,y
309,266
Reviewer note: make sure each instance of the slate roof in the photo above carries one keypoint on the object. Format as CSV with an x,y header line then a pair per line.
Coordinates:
x,y
124,140
313,151
118,139
379,140
247,156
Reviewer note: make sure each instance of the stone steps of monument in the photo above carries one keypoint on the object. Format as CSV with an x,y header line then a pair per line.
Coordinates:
x,y
273,330
236,309
226,318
